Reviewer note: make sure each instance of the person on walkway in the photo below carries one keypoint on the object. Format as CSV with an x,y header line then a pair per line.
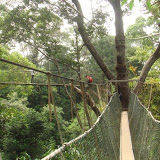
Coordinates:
x,y
32,75
90,79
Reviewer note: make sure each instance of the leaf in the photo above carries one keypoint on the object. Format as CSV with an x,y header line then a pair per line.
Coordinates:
x,y
149,4
131,4
123,2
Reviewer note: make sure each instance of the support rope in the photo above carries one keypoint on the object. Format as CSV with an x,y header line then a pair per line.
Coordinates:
x,y
55,111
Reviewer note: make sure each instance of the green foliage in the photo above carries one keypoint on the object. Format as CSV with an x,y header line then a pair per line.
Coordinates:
x,y
74,152
154,17
14,73
139,57
42,32
142,54
138,51
105,46
14,101
62,100
63,123
131,3
38,98
123,2
30,133
24,156
73,129
24,133
137,29
149,6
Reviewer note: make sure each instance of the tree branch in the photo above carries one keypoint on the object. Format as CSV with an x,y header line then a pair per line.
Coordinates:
x,y
90,101
87,42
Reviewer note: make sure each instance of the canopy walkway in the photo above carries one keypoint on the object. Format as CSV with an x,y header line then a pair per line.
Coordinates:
x,y
109,137
102,141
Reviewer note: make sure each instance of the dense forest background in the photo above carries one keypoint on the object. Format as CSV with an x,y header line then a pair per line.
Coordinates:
x,y
48,39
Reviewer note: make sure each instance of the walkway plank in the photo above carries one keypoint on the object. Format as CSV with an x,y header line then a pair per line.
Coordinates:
x,y
126,151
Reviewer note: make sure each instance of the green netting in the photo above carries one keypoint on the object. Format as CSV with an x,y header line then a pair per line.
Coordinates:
x,y
145,131
101,142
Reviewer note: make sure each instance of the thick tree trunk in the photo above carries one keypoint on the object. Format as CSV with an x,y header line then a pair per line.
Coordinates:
x,y
147,67
90,101
87,42
122,73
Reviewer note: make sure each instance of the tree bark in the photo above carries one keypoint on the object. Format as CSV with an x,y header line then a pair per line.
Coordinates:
x,y
147,67
90,101
121,68
87,42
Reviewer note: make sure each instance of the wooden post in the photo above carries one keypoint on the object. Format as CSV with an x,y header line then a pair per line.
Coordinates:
x,y
107,86
85,105
150,97
71,99
55,112
49,97
99,97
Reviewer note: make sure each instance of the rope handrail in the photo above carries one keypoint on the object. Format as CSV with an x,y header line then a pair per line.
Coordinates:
x,y
156,34
34,84
31,68
45,72
124,80
23,66
148,83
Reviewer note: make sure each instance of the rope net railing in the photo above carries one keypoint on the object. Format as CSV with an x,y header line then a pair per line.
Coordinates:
x,y
150,97
145,131
100,142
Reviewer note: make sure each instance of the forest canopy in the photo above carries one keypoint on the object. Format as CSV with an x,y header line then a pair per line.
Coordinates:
x,y
66,39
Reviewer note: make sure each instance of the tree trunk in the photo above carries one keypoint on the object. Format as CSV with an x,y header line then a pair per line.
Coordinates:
x,y
122,74
147,67
87,42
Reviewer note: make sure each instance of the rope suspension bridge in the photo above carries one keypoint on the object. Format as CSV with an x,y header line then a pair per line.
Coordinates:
x,y
116,134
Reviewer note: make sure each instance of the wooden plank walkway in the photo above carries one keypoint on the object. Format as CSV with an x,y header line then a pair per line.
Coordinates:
x,y
126,151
